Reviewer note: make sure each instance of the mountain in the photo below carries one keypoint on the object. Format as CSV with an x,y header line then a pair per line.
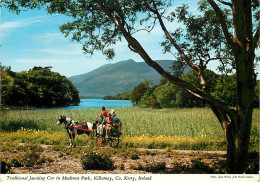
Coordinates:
x,y
112,79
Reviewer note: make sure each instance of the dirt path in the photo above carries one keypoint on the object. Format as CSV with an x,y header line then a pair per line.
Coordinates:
x,y
148,160
158,150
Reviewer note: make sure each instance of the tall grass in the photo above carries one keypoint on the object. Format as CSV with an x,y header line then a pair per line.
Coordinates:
x,y
199,124
195,122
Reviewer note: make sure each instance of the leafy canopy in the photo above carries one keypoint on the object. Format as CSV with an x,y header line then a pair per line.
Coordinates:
x,y
37,87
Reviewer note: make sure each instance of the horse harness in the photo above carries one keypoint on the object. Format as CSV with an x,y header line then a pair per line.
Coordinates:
x,y
71,125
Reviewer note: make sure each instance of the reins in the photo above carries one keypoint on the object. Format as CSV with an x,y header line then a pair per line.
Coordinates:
x,y
68,122
79,128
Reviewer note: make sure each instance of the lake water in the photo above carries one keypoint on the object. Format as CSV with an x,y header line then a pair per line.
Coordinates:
x,y
98,103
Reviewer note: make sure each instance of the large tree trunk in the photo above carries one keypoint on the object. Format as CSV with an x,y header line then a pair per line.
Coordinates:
x,y
237,124
237,146
237,132
243,45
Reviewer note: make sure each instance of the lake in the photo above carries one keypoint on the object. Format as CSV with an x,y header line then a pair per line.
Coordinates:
x,y
98,103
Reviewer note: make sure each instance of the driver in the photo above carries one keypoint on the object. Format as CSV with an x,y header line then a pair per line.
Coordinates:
x,y
109,123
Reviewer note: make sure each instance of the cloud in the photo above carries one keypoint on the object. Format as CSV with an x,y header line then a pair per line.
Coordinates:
x,y
67,50
50,36
7,27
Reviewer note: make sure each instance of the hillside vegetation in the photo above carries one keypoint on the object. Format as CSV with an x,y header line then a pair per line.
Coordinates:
x,y
113,79
167,95
38,87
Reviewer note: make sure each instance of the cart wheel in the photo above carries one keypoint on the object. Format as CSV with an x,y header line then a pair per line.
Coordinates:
x,y
114,141
99,142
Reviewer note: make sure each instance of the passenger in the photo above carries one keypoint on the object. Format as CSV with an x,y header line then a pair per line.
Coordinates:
x,y
104,112
118,122
100,125
109,123
101,121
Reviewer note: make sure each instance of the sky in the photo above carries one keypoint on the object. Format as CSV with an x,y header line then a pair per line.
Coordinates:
x,y
33,38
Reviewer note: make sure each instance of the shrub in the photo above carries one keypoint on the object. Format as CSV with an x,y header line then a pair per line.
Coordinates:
x,y
45,159
199,165
154,168
30,158
15,162
96,160
30,147
253,163
135,156
5,167
15,125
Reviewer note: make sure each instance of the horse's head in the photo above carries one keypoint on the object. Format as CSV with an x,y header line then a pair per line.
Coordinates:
x,y
61,120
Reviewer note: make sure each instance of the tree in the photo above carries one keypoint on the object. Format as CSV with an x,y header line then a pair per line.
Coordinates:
x,y
37,87
94,20
139,91
7,84
225,90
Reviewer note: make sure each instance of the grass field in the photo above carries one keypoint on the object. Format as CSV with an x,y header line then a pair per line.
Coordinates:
x,y
195,128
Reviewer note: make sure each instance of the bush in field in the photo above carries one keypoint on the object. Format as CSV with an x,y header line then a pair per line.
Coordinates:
x,y
15,162
30,158
5,167
155,167
135,156
96,160
17,125
200,165
152,167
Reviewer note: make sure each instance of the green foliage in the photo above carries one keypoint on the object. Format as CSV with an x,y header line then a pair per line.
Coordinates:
x,y
139,91
197,39
29,154
167,95
18,124
5,166
134,156
96,160
225,90
15,161
199,165
151,167
156,167
38,87
152,102
30,158
7,84
253,163
123,96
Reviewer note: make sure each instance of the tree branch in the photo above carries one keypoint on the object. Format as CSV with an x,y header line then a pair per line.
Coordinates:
x,y
136,46
222,19
132,49
174,43
147,30
225,3
256,36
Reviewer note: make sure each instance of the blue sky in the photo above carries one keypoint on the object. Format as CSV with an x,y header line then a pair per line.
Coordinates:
x,y
32,38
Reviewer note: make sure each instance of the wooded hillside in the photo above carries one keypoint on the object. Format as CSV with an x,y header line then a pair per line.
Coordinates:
x,y
39,87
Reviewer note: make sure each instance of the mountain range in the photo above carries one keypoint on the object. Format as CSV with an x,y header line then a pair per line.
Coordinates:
x,y
120,77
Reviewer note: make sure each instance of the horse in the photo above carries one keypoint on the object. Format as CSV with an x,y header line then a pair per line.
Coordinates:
x,y
74,128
